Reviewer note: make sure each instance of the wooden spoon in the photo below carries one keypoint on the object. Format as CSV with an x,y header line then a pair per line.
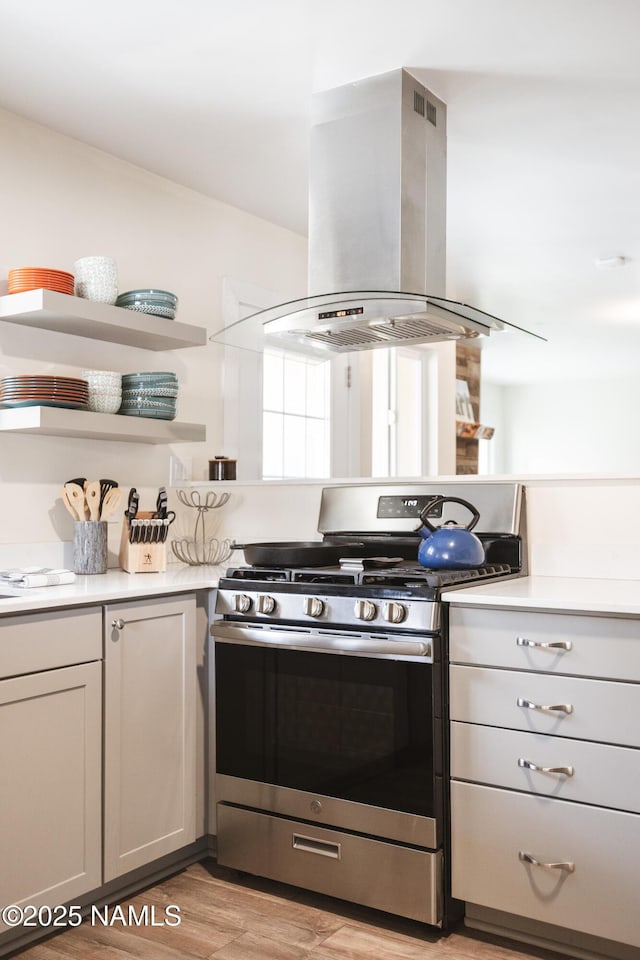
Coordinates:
x,y
92,494
76,497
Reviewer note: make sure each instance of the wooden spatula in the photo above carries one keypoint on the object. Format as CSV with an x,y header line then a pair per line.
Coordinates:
x,y
77,499
92,494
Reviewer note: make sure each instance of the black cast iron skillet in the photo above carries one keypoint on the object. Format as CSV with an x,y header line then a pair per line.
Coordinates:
x,y
317,553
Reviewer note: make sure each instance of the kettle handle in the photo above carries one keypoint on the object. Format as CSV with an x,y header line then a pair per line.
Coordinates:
x,y
437,501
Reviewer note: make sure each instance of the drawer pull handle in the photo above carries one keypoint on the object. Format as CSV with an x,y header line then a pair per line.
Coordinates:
x,y
117,624
530,765
540,645
567,865
547,708
321,847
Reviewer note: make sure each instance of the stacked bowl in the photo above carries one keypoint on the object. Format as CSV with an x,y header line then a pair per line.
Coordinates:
x,y
160,303
149,395
105,390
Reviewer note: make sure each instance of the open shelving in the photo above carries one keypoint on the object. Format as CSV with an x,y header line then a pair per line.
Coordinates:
x,y
48,310
58,422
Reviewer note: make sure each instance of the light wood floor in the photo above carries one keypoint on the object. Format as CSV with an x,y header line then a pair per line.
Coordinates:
x,y
230,917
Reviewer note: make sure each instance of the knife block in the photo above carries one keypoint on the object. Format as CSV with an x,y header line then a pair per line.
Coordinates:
x,y
141,557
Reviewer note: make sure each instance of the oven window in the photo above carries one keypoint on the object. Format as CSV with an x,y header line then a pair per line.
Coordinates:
x,y
349,727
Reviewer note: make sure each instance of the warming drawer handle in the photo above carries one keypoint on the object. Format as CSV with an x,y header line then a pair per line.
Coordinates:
x,y
567,865
530,765
547,708
545,645
312,845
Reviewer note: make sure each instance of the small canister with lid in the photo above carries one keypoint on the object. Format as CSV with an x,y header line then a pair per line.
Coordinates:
x,y
222,468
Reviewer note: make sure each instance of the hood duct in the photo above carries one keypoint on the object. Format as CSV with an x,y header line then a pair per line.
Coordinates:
x,y
377,227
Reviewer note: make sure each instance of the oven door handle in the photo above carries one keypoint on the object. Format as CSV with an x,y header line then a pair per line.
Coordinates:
x,y
321,643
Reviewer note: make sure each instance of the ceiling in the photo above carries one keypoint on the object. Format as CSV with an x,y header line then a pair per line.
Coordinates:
x,y
543,102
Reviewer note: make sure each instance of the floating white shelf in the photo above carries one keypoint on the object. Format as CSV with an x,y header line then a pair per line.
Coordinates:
x,y
49,310
58,422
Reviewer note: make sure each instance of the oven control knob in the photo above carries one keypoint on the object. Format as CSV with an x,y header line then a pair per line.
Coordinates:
x,y
364,610
394,612
242,603
266,604
313,606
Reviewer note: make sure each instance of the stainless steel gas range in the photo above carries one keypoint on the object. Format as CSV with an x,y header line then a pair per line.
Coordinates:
x,y
331,698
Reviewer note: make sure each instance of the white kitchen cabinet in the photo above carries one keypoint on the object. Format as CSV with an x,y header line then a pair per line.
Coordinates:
x,y
50,758
150,693
545,768
593,886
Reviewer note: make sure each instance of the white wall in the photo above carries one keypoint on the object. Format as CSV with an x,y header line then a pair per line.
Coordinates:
x,y
577,527
62,200
574,426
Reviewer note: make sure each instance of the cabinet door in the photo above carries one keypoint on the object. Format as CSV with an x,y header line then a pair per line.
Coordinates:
x,y
150,745
596,773
579,645
598,710
50,799
563,863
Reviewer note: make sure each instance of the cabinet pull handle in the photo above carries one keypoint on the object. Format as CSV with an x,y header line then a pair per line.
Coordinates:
x,y
566,865
312,845
551,707
530,765
540,645
117,624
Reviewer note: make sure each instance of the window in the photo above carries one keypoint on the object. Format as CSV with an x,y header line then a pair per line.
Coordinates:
x,y
295,416
398,379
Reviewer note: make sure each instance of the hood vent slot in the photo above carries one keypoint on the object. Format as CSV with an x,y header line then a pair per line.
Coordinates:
x,y
397,330
418,103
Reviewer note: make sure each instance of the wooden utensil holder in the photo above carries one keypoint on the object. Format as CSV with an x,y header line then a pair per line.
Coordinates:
x,y
141,557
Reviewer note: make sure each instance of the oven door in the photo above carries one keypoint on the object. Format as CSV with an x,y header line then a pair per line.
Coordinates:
x,y
335,728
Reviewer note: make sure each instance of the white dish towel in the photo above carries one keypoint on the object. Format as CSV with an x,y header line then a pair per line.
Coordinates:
x,y
36,577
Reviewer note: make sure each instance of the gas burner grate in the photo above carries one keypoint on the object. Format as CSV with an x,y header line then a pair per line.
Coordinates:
x,y
278,574
416,576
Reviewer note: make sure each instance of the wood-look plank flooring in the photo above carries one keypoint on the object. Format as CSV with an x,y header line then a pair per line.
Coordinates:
x,y
227,916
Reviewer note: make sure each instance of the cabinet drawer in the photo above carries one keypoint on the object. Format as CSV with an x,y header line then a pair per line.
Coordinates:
x,y
491,829
600,710
400,880
599,646
595,773
44,641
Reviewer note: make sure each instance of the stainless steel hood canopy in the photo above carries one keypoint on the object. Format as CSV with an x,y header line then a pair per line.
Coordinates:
x,y
377,227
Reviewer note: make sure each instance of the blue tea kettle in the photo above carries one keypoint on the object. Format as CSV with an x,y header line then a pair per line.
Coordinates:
x,y
450,546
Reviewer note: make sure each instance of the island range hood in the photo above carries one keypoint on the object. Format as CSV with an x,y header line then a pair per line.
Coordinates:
x,y
377,229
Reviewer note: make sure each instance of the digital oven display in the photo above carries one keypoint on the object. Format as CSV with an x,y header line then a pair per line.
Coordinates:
x,y
395,508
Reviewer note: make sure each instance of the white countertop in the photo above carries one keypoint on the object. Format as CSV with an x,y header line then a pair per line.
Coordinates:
x,y
105,587
578,595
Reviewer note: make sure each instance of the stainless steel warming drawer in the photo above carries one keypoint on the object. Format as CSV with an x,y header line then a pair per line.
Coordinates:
x,y
344,865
